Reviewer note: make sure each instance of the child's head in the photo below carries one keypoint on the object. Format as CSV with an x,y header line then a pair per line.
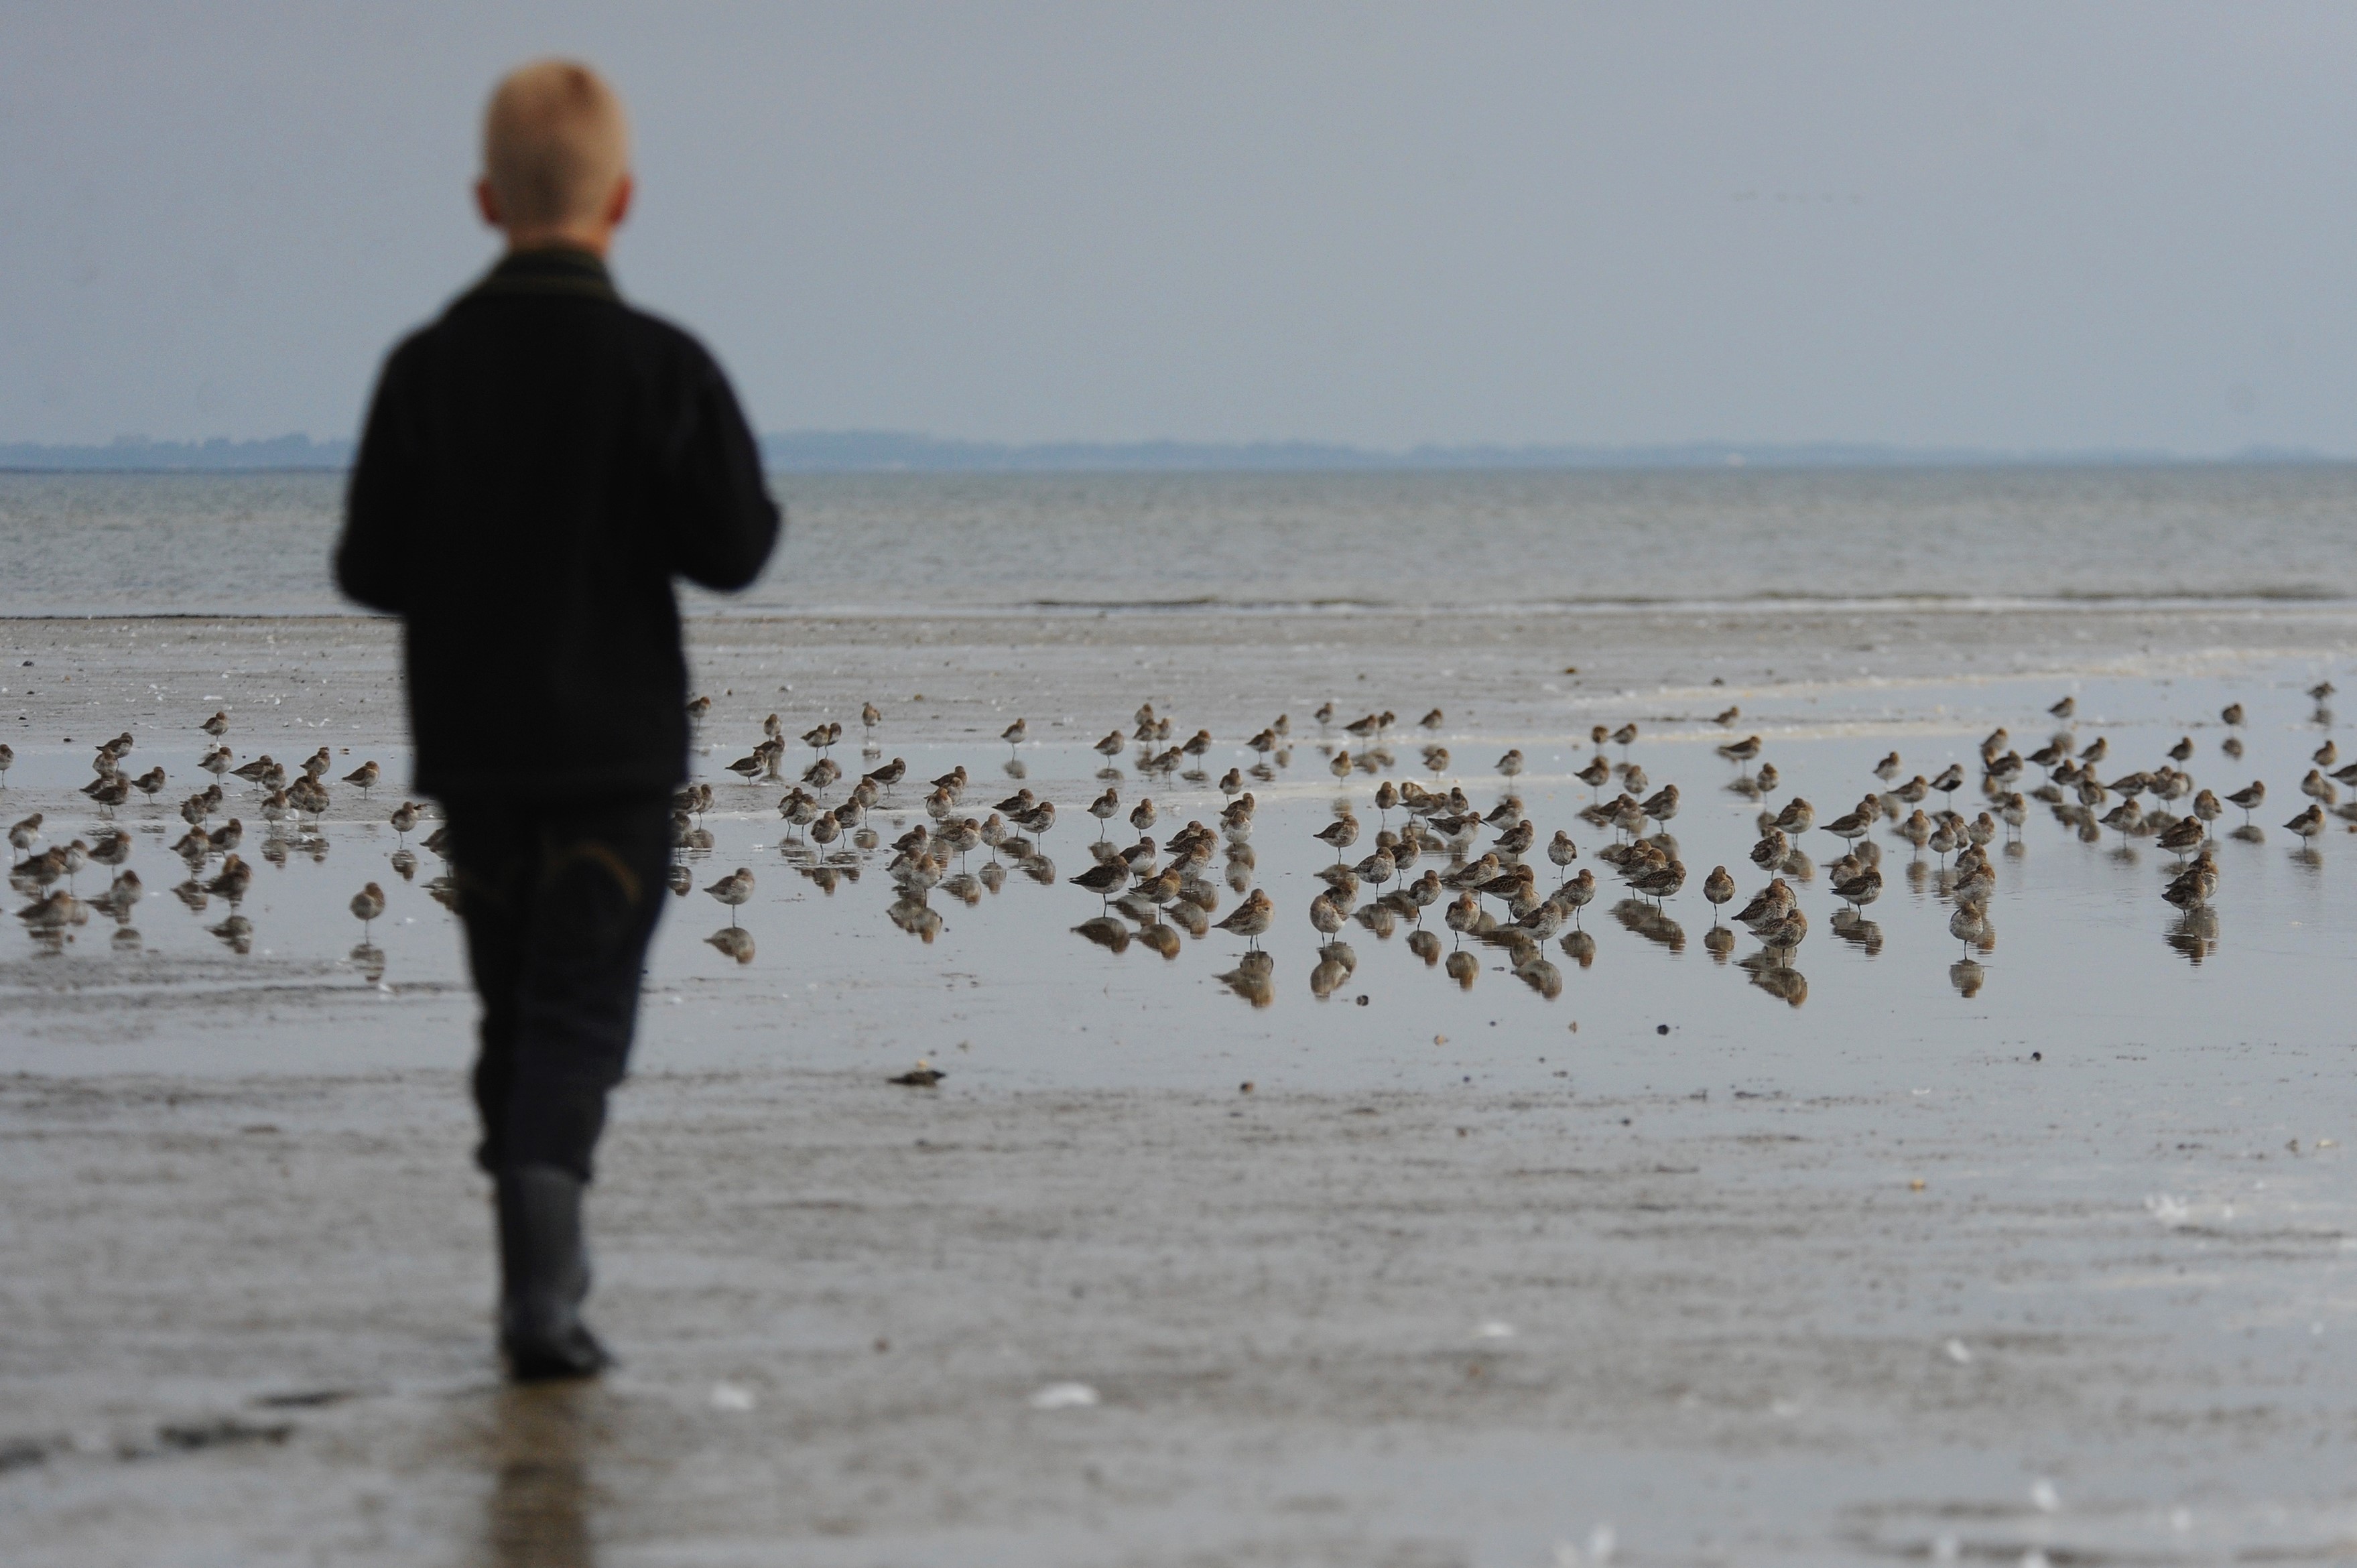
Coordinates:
x,y
557,158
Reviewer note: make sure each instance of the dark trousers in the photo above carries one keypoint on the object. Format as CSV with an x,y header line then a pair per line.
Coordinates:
x,y
559,903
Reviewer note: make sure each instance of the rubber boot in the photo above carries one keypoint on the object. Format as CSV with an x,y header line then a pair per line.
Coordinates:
x,y
544,1277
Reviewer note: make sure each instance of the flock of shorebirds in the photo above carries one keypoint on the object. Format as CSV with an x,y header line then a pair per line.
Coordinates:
x,y
1492,892
290,802
1478,867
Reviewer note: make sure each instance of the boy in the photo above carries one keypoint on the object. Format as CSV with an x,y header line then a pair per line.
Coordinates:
x,y
537,464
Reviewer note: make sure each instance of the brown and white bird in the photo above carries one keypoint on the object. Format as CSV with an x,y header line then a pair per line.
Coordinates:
x,y
1852,826
1859,890
124,892
2309,823
235,876
363,778
1578,893
734,889
1718,888
1785,934
2184,836
1768,907
1251,918
54,912
1517,839
1663,882
1340,834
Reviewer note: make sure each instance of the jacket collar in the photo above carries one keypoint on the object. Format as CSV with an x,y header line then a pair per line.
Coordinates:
x,y
557,270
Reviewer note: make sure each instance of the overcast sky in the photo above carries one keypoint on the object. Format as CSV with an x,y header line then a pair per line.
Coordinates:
x,y
2042,225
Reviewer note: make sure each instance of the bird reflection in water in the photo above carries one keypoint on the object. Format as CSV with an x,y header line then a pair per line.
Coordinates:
x,y
1720,943
1779,980
1648,921
1966,977
2195,934
1540,976
1106,932
1580,947
1252,978
1464,969
734,940
1856,930
537,1512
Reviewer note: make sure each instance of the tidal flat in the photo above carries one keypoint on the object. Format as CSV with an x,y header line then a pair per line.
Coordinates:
x,y
1969,1251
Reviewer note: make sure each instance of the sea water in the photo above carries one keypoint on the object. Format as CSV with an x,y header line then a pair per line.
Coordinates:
x,y
259,543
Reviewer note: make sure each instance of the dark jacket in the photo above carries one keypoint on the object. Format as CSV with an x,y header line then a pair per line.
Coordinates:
x,y
537,466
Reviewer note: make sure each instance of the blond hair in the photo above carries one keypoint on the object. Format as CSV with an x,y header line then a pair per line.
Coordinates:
x,y
555,143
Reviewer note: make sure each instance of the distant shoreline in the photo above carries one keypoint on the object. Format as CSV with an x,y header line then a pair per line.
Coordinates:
x,y
887,452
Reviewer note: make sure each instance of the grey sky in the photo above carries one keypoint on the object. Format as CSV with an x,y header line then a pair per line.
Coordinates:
x,y
2040,226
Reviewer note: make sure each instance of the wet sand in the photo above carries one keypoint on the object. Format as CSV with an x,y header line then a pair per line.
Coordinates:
x,y
1686,1303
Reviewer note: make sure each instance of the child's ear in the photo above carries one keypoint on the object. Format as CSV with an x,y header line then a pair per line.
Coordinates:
x,y
618,206
487,202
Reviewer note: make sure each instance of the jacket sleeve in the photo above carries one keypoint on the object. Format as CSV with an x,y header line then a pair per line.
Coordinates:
x,y
377,502
723,523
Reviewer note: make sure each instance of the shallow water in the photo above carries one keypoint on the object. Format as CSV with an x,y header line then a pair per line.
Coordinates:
x,y
258,543
998,974
1735,1256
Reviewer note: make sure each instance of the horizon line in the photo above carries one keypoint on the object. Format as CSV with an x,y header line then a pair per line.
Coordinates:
x,y
887,451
